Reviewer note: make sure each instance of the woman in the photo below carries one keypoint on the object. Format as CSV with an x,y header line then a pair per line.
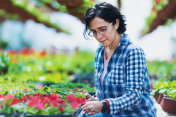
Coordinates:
x,y
122,80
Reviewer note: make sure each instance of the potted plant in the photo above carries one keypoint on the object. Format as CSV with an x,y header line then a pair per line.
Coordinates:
x,y
168,102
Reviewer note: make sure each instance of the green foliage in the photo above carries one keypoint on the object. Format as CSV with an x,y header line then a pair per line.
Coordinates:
x,y
4,63
165,87
162,69
158,5
63,92
31,8
6,15
161,4
32,74
3,44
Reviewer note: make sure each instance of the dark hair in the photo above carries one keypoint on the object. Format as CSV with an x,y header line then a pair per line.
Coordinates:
x,y
107,12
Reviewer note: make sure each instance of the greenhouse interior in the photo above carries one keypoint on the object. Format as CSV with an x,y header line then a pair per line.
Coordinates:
x,y
47,67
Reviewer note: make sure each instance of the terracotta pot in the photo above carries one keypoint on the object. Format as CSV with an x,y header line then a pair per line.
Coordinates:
x,y
160,97
156,96
169,105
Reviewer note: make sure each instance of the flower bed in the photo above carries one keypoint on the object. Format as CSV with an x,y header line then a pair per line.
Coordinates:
x,y
44,101
40,84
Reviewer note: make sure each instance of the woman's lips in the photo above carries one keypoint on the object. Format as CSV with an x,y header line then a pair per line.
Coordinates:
x,y
103,41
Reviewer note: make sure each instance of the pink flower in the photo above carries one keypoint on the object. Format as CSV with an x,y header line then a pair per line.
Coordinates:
x,y
7,97
15,101
39,105
84,91
75,102
26,97
1,96
85,81
31,102
38,95
157,1
81,100
39,86
25,89
32,50
71,97
10,97
61,108
75,90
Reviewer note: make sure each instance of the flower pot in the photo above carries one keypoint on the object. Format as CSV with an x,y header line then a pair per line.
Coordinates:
x,y
160,97
156,96
168,104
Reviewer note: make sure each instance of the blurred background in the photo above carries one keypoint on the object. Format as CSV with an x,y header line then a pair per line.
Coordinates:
x,y
48,24
43,51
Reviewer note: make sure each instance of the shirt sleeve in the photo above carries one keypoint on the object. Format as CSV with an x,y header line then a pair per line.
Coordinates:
x,y
135,73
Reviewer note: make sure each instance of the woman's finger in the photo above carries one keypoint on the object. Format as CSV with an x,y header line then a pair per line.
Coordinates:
x,y
88,96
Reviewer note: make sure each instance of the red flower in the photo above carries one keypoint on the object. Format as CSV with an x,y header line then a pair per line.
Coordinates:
x,y
26,97
71,97
43,53
39,105
84,91
75,102
25,89
31,102
75,90
157,1
1,96
14,101
38,95
61,108
12,52
81,100
7,97
53,99
32,50
25,51
10,97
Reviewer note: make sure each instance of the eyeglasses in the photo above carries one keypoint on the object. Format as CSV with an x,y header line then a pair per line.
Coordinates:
x,y
101,31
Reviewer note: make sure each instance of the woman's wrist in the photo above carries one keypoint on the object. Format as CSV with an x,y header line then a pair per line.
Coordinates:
x,y
107,103
106,107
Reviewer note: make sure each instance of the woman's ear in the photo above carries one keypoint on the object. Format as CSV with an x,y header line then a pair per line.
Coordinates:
x,y
117,24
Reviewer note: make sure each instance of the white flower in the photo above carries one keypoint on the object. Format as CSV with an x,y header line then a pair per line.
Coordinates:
x,y
41,78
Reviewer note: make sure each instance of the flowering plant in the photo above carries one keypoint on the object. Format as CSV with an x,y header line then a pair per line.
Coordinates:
x,y
41,104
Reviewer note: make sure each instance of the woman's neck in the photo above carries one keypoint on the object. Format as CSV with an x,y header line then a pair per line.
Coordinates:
x,y
115,43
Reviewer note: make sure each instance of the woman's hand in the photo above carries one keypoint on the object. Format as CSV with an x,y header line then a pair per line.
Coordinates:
x,y
90,98
92,107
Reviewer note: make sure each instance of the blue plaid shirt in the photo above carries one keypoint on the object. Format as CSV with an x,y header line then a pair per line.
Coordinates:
x,y
126,84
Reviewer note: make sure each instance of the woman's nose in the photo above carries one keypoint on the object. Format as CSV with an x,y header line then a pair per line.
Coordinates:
x,y
99,36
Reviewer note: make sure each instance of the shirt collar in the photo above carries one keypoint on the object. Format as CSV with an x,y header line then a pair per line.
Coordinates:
x,y
125,39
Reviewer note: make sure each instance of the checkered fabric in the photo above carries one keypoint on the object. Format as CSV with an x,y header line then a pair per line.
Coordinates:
x,y
126,84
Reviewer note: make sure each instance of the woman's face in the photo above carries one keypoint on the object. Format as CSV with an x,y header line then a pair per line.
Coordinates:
x,y
103,31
